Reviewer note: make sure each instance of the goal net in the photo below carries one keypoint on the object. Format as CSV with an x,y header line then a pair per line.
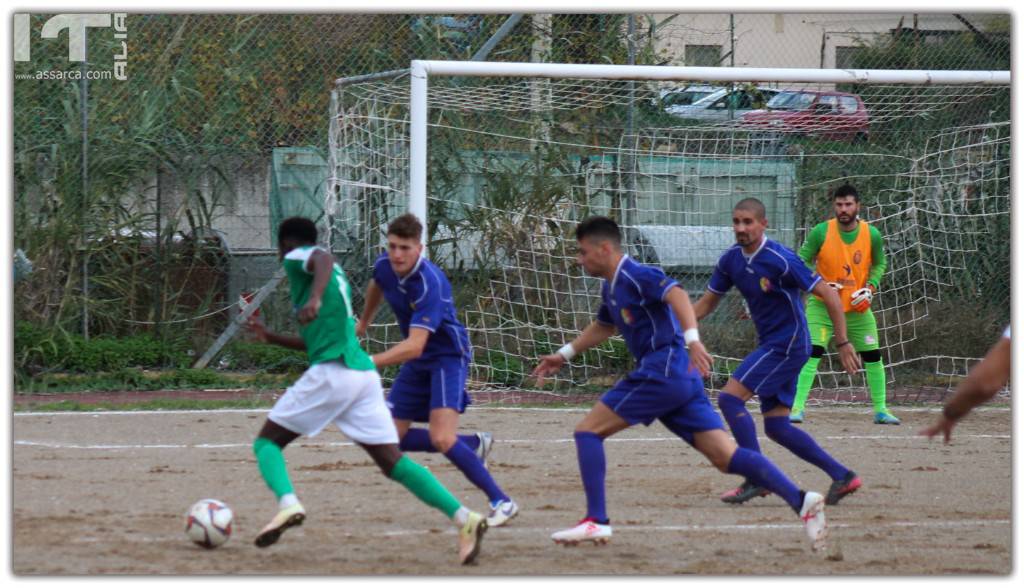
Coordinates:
x,y
512,161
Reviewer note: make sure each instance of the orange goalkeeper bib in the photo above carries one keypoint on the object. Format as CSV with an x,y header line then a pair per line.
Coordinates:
x,y
844,264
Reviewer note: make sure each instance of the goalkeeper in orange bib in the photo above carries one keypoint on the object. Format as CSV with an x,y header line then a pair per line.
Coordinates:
x,y
851,258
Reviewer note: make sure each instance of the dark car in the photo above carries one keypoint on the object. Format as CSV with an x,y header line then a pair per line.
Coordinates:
x,y
829,115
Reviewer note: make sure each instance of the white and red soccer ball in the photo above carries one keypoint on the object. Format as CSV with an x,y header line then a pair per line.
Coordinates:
x,y
209,523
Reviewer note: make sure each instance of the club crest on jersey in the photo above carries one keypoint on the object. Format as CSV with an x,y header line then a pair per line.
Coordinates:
x,y
766,285
627,317
857,257
412,305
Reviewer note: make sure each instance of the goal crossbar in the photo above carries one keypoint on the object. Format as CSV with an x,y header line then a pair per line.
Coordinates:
x,y
421,70
710,74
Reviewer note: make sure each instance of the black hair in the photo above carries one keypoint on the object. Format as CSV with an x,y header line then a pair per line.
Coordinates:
x,y
846,190
601,228
298,229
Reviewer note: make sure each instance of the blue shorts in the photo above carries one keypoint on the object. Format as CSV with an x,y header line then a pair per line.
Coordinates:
x,y
417,390
771,374
678,402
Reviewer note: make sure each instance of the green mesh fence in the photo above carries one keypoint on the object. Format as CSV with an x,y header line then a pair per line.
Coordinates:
x,y
222,128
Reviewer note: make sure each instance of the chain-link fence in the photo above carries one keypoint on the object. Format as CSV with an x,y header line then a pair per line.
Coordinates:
x,y
148,203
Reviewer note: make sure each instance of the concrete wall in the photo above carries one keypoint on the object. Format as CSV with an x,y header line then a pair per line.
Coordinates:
x,y
792,39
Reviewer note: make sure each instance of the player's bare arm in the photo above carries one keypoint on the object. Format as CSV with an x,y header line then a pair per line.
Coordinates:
x,y
847,355
706,304
373,297
679,300
594,334
262,334
408,349
983,382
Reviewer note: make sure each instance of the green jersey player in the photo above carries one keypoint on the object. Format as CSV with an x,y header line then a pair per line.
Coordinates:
x,y
341,386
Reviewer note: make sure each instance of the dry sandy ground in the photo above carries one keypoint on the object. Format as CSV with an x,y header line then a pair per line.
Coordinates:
x,y
107,493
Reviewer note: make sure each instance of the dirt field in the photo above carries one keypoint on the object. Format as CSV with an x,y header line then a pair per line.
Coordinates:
x,y
107,493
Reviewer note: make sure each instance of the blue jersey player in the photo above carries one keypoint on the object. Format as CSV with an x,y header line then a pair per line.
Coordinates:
x,y
771,279
654,316
435,355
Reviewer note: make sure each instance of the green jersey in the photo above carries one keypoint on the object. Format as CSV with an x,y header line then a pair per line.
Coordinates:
x,y
816,238
332,334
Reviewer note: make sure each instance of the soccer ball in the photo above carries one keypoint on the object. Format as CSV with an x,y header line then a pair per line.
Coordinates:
x,y
209,523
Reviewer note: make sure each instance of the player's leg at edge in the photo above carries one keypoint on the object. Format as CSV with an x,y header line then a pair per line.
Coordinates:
x,y
599,424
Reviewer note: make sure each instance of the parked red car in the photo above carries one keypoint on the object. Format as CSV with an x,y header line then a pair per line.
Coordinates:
x,y
830,115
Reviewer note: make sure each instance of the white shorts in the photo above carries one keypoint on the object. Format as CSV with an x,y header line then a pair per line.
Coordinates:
x,y
332,393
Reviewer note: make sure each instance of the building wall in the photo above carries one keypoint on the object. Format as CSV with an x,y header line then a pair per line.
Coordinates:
x,y
791,39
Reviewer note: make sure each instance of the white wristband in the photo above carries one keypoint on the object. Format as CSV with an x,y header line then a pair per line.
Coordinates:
x,y
691,335
567,352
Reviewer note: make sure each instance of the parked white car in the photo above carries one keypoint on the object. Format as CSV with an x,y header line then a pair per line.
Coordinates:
x,y
724,105
685,95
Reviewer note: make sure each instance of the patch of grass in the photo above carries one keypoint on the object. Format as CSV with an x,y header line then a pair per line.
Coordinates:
x,y
155,404
134,379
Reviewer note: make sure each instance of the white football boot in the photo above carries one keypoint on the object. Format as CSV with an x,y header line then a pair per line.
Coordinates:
x,y
813,516
586,530
285,518
502,512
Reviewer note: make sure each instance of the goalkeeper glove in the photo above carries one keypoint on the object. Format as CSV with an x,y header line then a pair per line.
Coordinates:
x,y
861,299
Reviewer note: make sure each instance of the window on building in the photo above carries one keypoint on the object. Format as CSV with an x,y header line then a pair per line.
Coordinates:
x,y
845,57
703,55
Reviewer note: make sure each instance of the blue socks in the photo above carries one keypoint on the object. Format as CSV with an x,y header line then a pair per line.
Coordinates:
x,y
462,455
466,460
761,471
419,440
803,446
779,430
590,452
740,422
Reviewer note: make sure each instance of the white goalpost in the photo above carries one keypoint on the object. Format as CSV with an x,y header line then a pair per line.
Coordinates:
x,y
501,160
420,72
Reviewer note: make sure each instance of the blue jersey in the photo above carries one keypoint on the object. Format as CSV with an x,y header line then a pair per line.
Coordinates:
x,y
770,281
634,302
423,299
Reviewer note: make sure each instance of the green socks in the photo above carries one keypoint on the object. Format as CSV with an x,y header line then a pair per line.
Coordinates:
x,y
418,480
876,384
874,371
272,466
804,383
